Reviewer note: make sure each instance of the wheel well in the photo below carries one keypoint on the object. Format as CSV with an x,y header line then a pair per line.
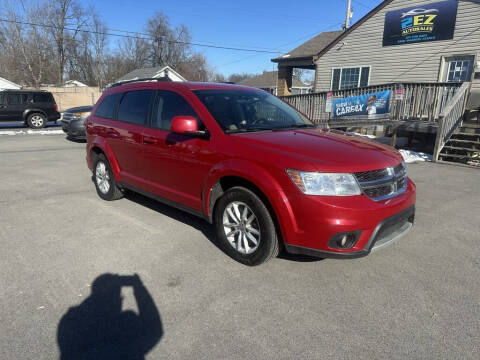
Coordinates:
x,y
227,182
95,152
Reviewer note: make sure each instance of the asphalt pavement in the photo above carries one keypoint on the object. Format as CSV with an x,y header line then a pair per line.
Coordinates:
x,y
416,299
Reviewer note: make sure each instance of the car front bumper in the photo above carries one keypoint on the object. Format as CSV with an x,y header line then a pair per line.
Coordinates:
x,y
75,128
316,221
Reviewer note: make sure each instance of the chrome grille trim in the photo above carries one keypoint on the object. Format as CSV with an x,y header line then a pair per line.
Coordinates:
x,y
383,184
67,116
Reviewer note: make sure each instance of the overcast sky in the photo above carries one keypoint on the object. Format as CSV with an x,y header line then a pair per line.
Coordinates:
x,y
265,24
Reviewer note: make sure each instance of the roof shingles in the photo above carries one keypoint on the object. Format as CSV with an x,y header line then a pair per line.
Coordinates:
x,y
311,47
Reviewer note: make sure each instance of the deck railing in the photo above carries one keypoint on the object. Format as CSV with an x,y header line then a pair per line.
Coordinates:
x,y
421,101
451,118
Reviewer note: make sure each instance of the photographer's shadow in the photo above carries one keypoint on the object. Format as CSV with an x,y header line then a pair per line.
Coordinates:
x,y
99,329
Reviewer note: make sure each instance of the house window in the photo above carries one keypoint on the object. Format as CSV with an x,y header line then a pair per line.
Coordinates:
x,y
349,78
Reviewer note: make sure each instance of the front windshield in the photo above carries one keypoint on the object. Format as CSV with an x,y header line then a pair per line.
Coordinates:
x,y
245,110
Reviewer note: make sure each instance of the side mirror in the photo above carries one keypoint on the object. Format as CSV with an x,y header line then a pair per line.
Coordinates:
x,y
185,125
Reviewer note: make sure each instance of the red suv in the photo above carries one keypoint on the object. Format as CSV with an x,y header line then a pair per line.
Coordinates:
x,y
255,167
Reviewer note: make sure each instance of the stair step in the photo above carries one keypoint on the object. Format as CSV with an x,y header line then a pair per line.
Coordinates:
x,y
463,141
465,134
461,148
471,125
457,156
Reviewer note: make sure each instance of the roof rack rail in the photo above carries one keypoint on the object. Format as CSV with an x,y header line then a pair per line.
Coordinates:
x,y
163,78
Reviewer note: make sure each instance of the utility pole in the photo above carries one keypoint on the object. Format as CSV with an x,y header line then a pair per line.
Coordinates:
x,y
349,14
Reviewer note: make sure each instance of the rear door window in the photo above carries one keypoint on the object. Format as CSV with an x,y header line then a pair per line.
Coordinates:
x,y
135,107
169,105
26,99
108,106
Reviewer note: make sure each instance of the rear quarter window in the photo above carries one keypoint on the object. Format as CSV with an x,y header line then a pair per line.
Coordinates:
x,y
108,106
42,98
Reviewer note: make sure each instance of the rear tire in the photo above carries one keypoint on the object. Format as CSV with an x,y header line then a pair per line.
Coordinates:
x,y
36,121
252,238
104,180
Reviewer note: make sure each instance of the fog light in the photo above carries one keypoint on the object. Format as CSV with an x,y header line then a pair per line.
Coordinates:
x,y
344,240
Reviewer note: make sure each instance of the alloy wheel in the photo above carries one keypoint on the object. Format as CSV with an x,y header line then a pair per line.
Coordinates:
x,y
241,227
102,177
36,120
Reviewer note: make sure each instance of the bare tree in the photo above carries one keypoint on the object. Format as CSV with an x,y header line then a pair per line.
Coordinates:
x,y
169,46
25,48
63,16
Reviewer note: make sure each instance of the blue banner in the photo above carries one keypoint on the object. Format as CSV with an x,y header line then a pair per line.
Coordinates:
x,y
420,23
372,105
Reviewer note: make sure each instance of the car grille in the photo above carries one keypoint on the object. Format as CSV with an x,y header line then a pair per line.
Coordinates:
x,y
67,116
384,183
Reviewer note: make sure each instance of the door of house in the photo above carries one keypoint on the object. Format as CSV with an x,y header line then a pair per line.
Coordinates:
x,y
458,68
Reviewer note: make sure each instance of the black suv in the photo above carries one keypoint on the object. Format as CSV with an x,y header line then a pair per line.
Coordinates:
x,y
32,107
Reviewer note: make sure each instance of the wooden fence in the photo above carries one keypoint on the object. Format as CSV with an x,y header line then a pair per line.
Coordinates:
x,y
421,101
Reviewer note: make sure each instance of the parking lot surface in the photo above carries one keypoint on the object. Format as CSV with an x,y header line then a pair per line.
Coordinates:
x,y
416,299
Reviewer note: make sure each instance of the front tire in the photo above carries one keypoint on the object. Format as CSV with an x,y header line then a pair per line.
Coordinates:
x,y
36,121
245,227
104,180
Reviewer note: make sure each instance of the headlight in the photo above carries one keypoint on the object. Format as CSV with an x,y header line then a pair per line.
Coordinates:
x,y
81,115
326,184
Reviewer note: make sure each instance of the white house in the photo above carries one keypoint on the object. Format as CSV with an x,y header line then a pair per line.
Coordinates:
x,y
6,84
153,72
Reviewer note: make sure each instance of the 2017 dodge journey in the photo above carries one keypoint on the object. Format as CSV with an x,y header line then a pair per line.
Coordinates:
x,y
257,169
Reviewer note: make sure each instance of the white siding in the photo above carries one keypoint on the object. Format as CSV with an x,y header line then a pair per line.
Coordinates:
x,y
410,62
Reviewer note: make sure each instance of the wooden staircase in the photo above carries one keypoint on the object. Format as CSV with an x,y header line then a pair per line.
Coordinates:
x,y
463,146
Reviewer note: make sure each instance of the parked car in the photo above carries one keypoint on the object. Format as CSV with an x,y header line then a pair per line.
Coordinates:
x,y
257,169
73,121
32,107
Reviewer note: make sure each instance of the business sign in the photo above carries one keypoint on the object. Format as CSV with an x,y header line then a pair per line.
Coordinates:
x,y
374,105
399,93
429,22
328,102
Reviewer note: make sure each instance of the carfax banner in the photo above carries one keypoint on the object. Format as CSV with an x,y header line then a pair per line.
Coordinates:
x,y
429,22
374,105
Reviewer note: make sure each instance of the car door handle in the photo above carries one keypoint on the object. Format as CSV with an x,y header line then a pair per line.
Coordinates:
x,y
149,140
3,106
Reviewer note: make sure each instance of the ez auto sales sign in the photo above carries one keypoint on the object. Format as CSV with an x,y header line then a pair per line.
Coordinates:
x,y
429,22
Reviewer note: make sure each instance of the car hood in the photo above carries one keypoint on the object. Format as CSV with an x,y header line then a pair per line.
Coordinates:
x,y
79,109
324,150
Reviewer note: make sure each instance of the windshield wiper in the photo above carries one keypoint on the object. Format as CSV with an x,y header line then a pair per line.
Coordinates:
x,y
295,126
250,129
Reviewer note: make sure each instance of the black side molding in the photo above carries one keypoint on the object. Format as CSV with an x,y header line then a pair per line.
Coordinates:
x,y
165,201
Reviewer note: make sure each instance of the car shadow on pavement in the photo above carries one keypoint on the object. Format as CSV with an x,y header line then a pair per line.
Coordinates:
x,y
76,140
200,224
99,329
188,219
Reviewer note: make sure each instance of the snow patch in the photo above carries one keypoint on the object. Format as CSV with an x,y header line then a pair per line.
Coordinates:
x,y
411,156
31,132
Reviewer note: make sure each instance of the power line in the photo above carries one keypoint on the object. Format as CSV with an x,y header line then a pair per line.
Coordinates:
x,y
143,38
283,45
